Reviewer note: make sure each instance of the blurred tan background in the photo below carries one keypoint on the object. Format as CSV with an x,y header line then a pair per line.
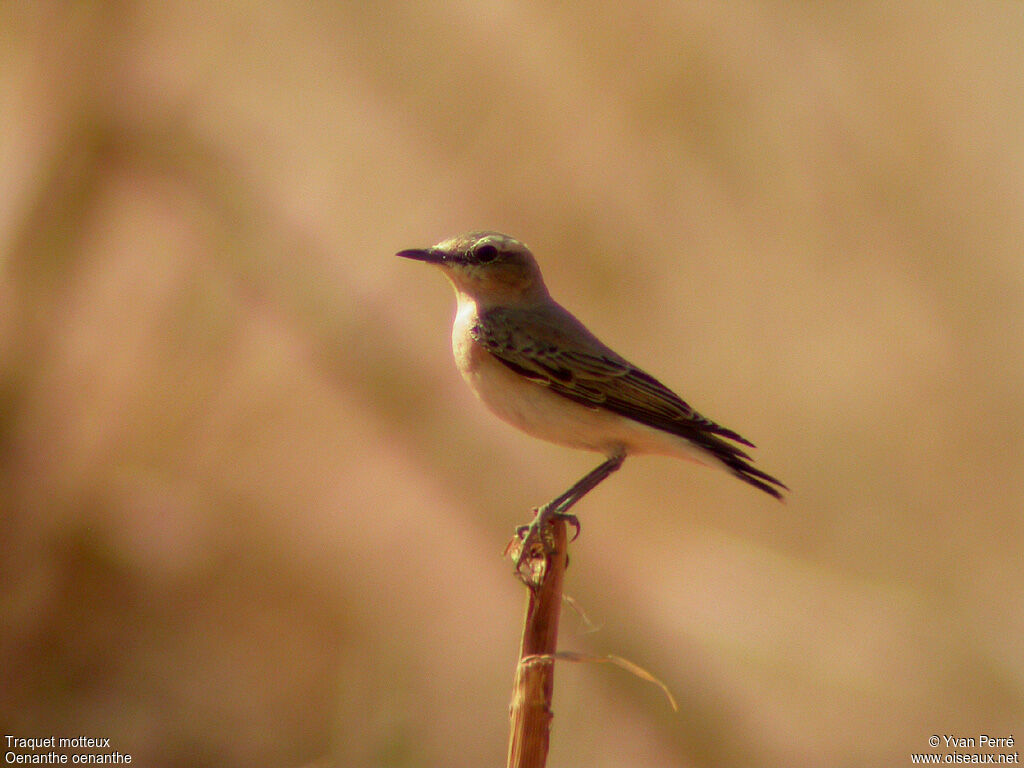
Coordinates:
x,y
251,515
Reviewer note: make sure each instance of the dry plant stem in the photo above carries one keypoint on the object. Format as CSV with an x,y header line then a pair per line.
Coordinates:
x,y
530,710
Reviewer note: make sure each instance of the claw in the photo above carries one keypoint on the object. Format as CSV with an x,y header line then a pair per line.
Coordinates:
x,y
571,520
528,534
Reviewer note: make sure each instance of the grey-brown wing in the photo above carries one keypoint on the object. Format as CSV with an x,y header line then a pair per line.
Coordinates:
x,y
554,349
560,353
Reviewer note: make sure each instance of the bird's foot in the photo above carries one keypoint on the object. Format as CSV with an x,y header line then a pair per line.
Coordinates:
x,y
535,538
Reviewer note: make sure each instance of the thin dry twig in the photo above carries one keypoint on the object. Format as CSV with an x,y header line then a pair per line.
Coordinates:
x,y
530,710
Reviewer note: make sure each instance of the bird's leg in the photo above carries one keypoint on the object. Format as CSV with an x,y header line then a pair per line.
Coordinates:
x,y
559,506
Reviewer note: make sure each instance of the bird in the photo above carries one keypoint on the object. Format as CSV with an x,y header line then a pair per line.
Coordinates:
x,y
537,367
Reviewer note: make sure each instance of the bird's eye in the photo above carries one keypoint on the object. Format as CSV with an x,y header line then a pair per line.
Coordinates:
x,y
485,253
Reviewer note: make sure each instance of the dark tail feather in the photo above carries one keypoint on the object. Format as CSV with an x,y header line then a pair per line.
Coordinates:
x,y
736,461
755,476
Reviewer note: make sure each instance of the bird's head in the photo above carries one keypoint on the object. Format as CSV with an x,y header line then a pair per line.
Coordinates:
x,y
490,268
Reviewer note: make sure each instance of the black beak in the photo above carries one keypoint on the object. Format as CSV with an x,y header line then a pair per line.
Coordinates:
x,y
422,254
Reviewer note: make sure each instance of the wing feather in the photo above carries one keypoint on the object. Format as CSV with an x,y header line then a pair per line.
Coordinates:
x,y
551,347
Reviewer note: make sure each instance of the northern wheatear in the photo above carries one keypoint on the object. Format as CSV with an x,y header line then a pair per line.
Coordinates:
x,y
537,367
